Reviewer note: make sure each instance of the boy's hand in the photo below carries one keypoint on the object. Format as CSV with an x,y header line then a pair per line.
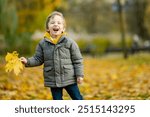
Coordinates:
x,y
23,60
79,80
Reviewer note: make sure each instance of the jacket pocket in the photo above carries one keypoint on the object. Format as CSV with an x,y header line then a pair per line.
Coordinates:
x,y
49,73
68,72
68,66
47,68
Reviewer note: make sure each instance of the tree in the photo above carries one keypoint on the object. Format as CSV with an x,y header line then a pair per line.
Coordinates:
x,y
32,14
8,21
92,16
18,20
135,16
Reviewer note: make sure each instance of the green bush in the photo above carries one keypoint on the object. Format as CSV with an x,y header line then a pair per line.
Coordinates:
x,y
94,46
99,45
83,44
23,43
118,43
33,45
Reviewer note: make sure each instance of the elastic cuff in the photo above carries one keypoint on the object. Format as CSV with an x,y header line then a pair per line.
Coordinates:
x,y
80,76
28,63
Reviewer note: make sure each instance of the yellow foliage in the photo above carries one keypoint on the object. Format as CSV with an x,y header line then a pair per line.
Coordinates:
x,y
13,63
105,78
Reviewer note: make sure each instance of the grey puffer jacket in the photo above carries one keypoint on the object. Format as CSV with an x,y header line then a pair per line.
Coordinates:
x,y
63,62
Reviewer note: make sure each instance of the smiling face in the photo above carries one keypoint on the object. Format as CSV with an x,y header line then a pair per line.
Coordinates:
x,y
56,26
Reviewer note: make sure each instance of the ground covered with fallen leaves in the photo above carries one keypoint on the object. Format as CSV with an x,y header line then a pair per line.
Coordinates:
x,y
106,77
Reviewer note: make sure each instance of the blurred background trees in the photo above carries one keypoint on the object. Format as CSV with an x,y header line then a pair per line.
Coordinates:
x,y
137,17
8,23
94,24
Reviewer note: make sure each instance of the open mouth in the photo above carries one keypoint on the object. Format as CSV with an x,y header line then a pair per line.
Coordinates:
x,y
55,29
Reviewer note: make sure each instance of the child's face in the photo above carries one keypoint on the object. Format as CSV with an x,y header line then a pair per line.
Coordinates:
x,y
56,26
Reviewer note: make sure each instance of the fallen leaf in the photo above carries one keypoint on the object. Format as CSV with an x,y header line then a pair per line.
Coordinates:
x,y
13,63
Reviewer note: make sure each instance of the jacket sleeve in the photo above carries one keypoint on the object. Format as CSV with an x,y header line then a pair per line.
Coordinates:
x,y
37,59
77,59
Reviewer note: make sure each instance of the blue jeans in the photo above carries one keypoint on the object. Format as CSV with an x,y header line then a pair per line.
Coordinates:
x,y
72,90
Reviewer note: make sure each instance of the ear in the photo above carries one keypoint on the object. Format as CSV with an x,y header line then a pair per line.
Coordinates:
x,y
47,30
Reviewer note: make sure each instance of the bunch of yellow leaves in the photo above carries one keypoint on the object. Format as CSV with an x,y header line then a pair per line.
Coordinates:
x,y
13,63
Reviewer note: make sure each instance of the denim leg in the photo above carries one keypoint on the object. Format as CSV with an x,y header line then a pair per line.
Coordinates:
x,y
57,93
74,92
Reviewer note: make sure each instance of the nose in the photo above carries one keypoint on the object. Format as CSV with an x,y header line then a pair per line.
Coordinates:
x,y
56,23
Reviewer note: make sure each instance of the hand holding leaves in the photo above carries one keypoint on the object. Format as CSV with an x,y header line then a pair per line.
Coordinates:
x,y
23,60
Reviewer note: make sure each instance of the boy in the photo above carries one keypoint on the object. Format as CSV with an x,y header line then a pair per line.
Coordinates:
x,y
63,62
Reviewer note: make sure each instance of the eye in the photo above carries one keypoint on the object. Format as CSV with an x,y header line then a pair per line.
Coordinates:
x,y
52,22
59,23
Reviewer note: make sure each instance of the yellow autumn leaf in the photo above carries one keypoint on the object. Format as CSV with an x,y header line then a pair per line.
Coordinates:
x,y
13,63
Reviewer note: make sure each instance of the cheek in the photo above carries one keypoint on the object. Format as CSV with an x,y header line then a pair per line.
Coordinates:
x,y
50,27
62,28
